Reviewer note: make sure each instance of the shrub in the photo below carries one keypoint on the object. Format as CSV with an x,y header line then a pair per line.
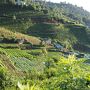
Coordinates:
x,y
2,78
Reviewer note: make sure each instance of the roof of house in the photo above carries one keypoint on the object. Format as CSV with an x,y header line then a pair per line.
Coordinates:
x,y
58,45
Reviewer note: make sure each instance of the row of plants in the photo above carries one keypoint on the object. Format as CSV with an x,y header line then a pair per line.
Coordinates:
x,y
49,71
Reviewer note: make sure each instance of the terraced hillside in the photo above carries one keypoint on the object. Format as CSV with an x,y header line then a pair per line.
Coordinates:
x,y
8,36
73,33
37,23
27,61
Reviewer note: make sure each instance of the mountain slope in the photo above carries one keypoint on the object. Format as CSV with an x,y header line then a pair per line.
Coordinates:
x,y
55,24
9,36
72,11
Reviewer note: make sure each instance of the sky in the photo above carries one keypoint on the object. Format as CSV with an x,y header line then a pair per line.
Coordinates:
x,y
81,3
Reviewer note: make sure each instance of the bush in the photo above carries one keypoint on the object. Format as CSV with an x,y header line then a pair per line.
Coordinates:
x,y
66,74
2,78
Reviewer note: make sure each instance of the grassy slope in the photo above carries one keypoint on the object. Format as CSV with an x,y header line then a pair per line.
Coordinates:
x,y
23,23
5,33
17,61
62,32
32,61
34,65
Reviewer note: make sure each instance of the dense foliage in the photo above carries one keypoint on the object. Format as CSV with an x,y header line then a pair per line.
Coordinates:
x,y
46,72
32,65
72,12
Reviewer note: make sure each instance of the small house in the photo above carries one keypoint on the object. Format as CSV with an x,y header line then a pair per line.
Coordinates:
x,y
47,41
58,46
21,41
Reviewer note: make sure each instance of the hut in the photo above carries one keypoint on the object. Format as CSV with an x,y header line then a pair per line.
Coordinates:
x,y
58,46
47,41
21,41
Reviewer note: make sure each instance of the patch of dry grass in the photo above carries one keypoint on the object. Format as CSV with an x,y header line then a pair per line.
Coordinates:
x,y
5,33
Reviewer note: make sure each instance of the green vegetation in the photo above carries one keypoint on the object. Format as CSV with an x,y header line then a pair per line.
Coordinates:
x,y
28,62
51,71
28,21
7,36
70,12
